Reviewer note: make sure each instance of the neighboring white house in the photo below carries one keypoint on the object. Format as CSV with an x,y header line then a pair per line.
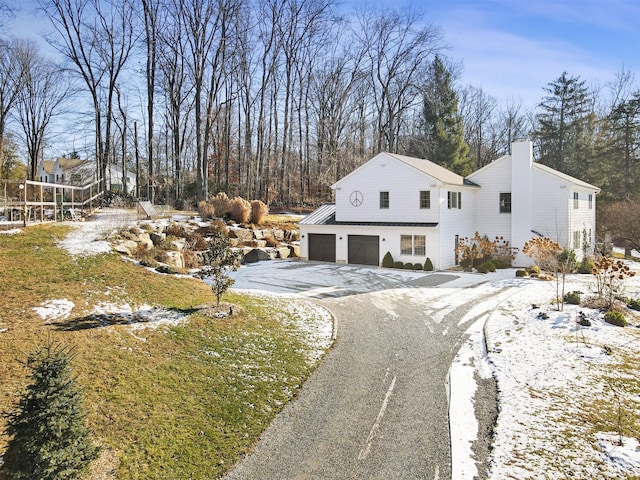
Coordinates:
x,y
416,209
73,171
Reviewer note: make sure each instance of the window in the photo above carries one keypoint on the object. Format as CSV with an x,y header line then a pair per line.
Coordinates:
x,y
576,197
413,245
425,199
505,202
591,201
576,239
454,200
384,199
406,245
420,245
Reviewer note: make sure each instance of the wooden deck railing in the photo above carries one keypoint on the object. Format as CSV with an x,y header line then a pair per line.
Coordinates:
x,y
23,201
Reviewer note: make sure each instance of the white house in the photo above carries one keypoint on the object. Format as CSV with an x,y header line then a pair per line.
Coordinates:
x,y
416,209
73,171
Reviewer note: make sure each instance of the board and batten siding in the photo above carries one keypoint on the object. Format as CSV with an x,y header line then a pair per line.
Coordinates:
x,y
493,180
455,222
582,218
551,204
386,174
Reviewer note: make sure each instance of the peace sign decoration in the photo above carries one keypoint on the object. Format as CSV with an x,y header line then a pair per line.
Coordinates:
x,y
356,198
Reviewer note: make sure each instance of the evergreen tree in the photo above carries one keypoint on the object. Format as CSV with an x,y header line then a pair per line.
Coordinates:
x,y
48,438
442,123
563,125
216,263
624,129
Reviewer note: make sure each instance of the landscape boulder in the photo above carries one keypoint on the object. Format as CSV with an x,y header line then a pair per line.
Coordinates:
x,y
127,247
256,255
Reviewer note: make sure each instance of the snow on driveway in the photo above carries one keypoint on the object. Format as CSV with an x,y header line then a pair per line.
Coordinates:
x,y
545,369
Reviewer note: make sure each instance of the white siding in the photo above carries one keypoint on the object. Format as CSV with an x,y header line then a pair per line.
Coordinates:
x,y
455,222
552,199
493,179
386,174
582,218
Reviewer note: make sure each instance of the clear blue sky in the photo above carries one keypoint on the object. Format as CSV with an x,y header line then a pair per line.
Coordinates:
x,y
510,48
514,48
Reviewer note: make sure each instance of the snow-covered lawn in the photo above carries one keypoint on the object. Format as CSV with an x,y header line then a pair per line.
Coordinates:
x,y
555,378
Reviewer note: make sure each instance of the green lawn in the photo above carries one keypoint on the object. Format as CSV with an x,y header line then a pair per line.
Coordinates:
x,y
181,401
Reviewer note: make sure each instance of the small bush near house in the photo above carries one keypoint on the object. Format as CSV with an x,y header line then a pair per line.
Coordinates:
x,y
398,265
521,273
258,212
417,266
486,267
633,304
206,210
501,263
534,270
387,260
615,318
586,266
408,266
572,298
428,265
240,210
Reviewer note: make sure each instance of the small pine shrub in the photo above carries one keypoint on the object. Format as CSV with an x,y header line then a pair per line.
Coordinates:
x,y
428,265
408,266
417,266
486,267
206,210
48,439
521,273
240,210
398,265
387,260
572,298
258,211
616,318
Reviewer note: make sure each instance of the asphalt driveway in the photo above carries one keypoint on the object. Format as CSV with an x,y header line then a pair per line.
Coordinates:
x,y
377,406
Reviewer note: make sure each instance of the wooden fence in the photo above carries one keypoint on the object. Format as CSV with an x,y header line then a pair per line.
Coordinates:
x,y
23,201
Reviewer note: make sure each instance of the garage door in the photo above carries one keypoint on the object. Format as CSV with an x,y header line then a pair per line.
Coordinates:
x,y
322,247
364,249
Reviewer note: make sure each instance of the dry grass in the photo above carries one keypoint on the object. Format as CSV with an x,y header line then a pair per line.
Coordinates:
x,y
181,401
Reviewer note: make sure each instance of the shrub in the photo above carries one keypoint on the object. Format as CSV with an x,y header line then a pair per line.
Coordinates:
x,y
572,298
240,210
48,436
634,304
534,270
486,267
521,273
206,210
428,265
417,266
586,266
408,266
221,204
166,269
258,211
398,265
501,263
387,260
176,230
615,318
